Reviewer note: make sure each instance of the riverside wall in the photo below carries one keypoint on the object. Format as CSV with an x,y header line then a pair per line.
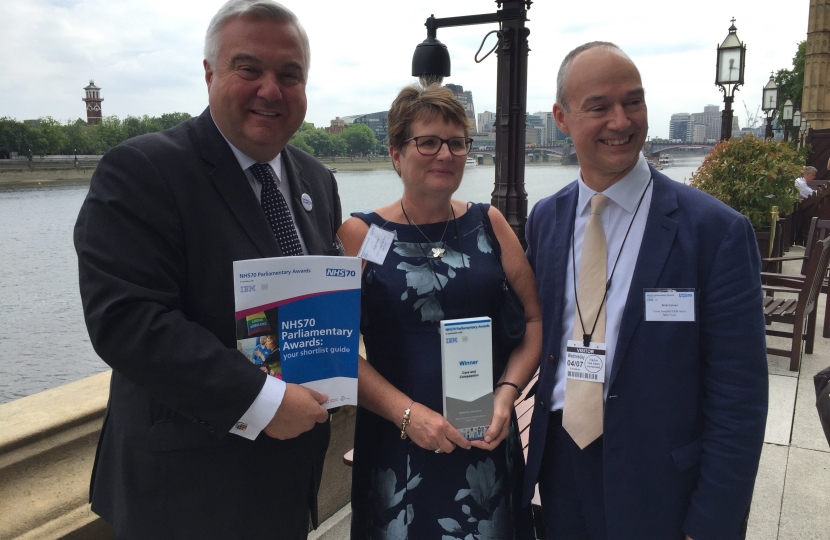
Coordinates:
x,y
47,449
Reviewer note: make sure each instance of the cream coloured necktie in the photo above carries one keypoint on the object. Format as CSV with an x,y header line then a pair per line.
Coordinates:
x,y
583,409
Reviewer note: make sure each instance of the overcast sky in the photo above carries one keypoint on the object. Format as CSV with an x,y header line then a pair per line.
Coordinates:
x,y
146,55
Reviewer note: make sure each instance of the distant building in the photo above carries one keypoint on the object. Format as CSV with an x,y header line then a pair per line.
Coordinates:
x,y
484,140
377,121
711,117
466,99
699,133
679,127
486,122
743,132
534,120
532,135
337,126
93,101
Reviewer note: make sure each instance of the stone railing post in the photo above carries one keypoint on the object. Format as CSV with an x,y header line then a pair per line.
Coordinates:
x,y
47,447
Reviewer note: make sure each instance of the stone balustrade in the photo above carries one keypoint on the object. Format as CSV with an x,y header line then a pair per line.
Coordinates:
x,y
47,448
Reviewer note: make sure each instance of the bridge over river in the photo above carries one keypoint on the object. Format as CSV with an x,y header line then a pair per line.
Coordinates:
x,y
567,153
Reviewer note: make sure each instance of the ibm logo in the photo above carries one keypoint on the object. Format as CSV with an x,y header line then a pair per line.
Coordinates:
x,y
339,272
452,340
247,288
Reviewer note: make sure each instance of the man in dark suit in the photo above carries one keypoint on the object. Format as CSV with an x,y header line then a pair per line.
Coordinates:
x,y
197,441
664,443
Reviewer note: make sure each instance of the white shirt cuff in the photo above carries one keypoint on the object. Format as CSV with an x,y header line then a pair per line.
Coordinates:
x,y
262,410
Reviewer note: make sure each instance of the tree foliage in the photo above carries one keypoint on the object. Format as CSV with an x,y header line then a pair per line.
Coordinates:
x,y
360,139
752,175
48,136
356,139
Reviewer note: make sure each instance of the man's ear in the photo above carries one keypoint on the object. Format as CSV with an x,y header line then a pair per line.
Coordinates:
x,y
559,116
208,73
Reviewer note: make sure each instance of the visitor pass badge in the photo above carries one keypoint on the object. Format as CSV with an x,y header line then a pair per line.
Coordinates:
x,y
585,363
670,305
376,244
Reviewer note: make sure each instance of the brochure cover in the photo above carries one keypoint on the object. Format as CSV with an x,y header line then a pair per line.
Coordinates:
x,y
467,358
298,319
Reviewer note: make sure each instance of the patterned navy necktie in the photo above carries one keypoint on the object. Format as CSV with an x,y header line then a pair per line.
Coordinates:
x,y
276,210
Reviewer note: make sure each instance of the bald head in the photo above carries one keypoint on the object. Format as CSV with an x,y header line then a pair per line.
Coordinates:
x,y
601,106
561,90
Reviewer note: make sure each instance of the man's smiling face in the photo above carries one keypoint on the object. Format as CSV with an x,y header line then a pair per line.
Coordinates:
x,y
606,114
257,88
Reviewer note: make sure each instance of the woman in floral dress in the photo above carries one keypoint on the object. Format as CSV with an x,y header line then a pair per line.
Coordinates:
x,y
426,481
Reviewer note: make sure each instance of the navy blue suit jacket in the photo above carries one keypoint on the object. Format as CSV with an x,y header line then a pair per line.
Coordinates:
x,y
687,402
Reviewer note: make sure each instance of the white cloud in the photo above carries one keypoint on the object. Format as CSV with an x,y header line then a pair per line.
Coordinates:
x,y
146,55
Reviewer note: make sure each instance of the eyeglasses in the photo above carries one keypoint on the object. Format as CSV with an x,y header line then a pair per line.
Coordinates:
x,y
429,145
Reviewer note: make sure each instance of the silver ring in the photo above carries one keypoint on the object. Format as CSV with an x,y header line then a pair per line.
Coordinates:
x,y
439,451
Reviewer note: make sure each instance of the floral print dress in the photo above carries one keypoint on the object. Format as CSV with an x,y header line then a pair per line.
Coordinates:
x,y
399,490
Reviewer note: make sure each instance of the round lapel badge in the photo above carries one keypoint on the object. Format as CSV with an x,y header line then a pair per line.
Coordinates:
x,y
306,202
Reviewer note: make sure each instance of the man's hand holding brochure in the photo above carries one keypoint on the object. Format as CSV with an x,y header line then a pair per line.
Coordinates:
x,y
298,319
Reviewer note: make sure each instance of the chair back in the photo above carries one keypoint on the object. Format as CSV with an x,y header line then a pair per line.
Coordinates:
x,y
814,277
809,245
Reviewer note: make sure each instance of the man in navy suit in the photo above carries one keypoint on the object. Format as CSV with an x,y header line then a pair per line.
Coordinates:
x,y
683,401
197,441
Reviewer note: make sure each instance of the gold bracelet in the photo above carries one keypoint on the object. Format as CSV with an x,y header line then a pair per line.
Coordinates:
x,y
405,420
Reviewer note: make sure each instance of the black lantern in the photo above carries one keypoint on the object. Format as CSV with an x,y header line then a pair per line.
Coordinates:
x,y
770,103
787,117
729,75
431,63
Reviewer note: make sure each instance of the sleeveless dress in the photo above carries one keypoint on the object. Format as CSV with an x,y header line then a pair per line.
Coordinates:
x,y
399,490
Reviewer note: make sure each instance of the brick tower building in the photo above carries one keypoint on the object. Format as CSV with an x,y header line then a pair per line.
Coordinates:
x,y
93,101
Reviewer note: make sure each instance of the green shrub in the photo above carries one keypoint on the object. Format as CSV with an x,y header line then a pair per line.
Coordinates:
x,y
752,175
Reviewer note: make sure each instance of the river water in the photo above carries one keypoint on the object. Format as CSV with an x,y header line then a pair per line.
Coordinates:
x,y
43,339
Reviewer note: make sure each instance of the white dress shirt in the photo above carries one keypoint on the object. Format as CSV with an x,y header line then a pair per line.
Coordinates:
x,y
804,190
616,217
265,406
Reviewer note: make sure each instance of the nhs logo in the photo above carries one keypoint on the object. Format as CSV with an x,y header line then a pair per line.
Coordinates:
x,y
339,272
247,288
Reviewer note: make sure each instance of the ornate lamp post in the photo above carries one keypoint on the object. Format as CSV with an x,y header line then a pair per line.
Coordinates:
x,y
797,126
805,127
431,63
770,104
729,75
787,117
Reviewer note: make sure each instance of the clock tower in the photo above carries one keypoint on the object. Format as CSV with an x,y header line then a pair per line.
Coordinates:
x,y
93,101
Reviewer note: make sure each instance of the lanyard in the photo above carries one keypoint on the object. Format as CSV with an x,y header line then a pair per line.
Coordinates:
x,y
586,336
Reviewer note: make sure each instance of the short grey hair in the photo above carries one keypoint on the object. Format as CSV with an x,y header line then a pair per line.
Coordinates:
x,y
810,170
258,9
561,97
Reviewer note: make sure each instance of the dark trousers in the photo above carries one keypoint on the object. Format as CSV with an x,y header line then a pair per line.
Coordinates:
x,y
570,486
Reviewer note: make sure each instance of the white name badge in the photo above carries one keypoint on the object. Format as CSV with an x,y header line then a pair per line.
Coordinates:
x,y
585,363
376,244
677,305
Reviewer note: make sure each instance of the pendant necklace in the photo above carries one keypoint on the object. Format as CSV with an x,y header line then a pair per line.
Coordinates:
x,y
437,252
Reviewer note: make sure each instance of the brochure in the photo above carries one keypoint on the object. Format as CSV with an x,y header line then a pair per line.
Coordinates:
x,y
298,319
467,359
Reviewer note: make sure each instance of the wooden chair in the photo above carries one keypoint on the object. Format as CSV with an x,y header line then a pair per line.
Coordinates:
x,y
819,230
524,412
799,312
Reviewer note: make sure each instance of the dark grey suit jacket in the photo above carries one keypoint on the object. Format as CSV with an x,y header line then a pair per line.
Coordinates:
x,y
165,217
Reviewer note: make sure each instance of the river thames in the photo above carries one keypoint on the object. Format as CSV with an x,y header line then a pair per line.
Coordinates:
x,y
43,339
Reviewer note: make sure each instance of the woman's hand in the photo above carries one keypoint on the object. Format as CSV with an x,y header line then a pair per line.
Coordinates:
x,y
431,431
500,424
